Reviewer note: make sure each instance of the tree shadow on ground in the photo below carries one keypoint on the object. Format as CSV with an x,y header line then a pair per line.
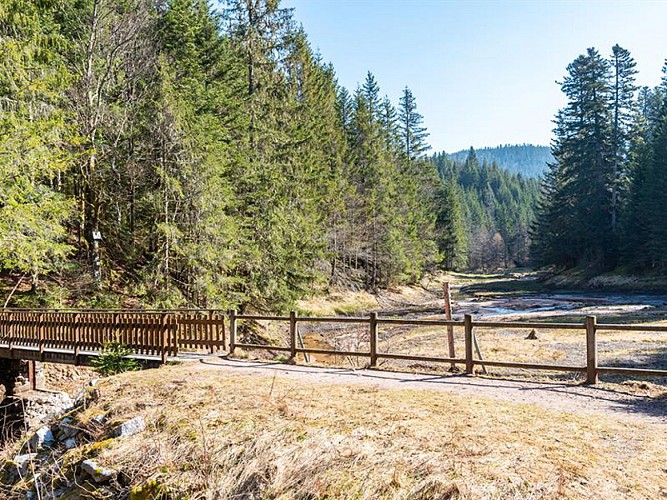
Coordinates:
x,y
617,397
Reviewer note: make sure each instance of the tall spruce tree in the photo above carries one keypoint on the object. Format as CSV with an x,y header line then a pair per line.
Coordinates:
x,y
574,226
646,220
623,128
413,132
449,227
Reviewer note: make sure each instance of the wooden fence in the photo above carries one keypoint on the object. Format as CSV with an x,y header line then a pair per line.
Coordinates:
x,y
150,334
373,322
161,334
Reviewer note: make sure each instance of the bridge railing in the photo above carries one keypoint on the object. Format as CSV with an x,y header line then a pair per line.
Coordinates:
x,y
147,333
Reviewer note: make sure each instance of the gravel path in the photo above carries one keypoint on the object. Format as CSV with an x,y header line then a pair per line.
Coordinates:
x,y
557,396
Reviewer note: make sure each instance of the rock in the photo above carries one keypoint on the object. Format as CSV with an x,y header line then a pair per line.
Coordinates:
x,y
131,427
41,439
23,462
100,419
532,335
70,443
66,429
43,406
99,474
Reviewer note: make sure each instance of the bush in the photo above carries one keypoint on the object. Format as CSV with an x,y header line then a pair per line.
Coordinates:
x,y
114,359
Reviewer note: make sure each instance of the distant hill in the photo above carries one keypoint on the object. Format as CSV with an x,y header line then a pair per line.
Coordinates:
x,y
525,159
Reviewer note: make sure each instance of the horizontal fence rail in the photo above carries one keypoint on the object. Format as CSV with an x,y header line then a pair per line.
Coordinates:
x,y
161,334
589,326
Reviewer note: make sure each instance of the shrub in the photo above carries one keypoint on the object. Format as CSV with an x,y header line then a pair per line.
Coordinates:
x,y
114,359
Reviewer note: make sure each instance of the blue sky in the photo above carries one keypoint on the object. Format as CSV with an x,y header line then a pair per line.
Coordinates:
x,y
483,72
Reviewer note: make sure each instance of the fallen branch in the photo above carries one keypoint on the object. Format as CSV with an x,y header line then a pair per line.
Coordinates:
x,y
12,292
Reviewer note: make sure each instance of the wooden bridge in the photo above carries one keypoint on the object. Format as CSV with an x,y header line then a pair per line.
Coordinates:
x,y
75,336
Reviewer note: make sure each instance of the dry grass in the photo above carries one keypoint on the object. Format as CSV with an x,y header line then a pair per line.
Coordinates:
x,y
218,436
338,303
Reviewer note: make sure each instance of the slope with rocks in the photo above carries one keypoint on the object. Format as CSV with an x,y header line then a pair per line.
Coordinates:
x,y
206,431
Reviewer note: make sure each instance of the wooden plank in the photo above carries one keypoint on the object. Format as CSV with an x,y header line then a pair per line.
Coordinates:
x,y
265,347
479,352
173,335
40,333
145,334
77,339
448,316
374,339
632,328
164,337
468,343
259,317
210,332
591,351
429,359
531,366
419,322
333,319
201,333
32,372
232,331
188,333
332,352
531,325
133,323
643,372
292,334
155,339
306,358
219,333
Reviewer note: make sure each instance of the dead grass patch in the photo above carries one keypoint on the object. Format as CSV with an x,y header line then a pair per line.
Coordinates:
x,y
212,435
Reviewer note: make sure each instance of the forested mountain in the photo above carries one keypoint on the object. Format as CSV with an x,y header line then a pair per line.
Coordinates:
x,y
496,212
604,202
525,159
183,155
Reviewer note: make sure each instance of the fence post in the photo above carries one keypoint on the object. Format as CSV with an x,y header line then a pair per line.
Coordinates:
x,y
210,329
591,350
41,336
448,316
467,323
292,334
10,334
32,374
374,338
232,331
164,337
77,339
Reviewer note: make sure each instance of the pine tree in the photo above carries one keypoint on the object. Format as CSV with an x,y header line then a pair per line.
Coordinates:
x,y
195,231
449,227
413,133
35,140
623,128
646,220
574,225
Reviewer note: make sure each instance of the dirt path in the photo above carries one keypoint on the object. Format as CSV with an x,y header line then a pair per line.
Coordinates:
x,y
557,396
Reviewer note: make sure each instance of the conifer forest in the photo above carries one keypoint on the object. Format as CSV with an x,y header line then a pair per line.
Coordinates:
x,y
184,154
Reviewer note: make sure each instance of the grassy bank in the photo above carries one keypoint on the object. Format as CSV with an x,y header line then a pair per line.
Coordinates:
x,y
211,435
